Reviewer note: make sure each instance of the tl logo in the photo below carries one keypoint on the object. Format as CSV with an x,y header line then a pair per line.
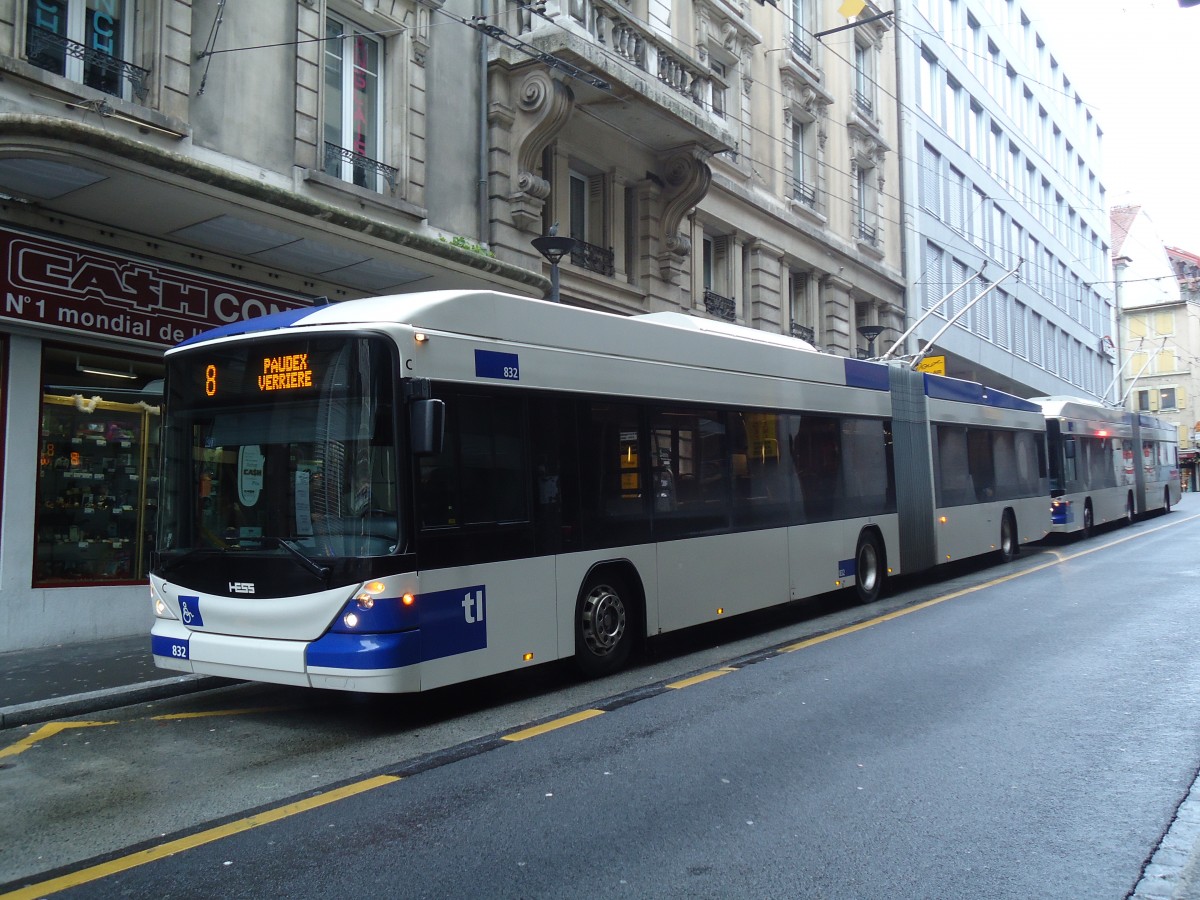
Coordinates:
x,y
472,604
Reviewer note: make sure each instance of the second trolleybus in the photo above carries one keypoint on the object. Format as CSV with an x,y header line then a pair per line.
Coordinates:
x,y
1107,465
399,493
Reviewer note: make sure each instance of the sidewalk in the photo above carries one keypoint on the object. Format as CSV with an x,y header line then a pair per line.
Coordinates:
x,y
75,679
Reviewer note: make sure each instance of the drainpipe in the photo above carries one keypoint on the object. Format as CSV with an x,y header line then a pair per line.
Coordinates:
x,y
483,129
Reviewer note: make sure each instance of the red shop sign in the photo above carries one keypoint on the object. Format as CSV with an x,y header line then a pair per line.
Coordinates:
x,y
62,284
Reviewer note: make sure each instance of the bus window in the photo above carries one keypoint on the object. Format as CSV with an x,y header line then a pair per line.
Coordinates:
x,y
690,470
817,460
480,475
762,488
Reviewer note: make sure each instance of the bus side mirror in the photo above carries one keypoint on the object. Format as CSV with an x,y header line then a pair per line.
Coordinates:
x,y
426,426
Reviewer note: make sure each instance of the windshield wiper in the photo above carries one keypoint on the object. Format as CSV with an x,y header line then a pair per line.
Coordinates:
x,y
290,546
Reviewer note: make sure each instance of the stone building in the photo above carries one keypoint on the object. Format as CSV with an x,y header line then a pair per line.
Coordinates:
x,y
1158,335
171,165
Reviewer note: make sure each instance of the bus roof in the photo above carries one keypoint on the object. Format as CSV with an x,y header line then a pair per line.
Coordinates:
x,y
668,336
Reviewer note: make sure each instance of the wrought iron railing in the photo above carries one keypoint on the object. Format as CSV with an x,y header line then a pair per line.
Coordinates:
x,y
865,104
804,193
719,306
868,234
48,50
336,156
800,48
593,258
804,333
620,34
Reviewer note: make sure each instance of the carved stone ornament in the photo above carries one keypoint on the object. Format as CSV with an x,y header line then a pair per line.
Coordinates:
x,y
544,105
687,178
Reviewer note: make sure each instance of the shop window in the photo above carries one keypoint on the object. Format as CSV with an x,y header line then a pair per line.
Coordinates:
x,y
97,486
3,397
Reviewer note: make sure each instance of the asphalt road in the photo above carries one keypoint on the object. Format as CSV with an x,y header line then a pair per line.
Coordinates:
x,y
1021,731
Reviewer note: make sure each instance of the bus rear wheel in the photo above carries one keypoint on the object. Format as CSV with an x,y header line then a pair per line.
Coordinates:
x,y
603,616
868,567
1166,500
1008,536
1088,522
1129,509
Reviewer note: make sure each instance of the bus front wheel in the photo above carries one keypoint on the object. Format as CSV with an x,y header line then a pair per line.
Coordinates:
x,y
603,620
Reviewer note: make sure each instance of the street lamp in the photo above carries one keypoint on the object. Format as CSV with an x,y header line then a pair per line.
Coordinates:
x,y
554,248
870,332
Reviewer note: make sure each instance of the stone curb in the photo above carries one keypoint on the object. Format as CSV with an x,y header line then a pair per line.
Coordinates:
x,y
40,711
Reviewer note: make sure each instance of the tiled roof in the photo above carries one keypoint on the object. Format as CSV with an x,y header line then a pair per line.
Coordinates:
x,y
1121,218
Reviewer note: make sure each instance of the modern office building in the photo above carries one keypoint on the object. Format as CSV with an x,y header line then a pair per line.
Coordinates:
x,y
1002,173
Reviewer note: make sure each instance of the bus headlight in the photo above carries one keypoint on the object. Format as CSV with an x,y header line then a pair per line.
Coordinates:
x,y
161,610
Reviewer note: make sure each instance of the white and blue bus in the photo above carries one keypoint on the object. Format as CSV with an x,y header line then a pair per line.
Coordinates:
x,y
399,493
1107,465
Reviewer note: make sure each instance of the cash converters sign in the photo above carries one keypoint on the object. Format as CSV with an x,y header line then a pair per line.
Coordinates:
x,y
67,285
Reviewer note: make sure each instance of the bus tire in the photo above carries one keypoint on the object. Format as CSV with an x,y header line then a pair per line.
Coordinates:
x,y
869,567
1009,545
1129,509
1166,500
604,620
1088,519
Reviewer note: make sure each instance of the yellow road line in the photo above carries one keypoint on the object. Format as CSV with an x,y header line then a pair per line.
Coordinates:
x,y
46,731
553,724
222,712
703,676
1059,558
125,863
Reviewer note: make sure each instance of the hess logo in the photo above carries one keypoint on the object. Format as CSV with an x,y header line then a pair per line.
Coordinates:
x,y
241,587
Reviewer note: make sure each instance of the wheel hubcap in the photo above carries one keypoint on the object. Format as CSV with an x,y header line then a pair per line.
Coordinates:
x,y
868,567
603,619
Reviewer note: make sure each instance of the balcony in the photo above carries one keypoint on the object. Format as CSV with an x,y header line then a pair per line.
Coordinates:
x,y
804,194
363,171
593,258
804,333
102,71
801,48
864,103
663,95
868,234
719,306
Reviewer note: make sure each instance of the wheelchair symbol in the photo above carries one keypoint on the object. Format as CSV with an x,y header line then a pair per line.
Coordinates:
x,y
189,608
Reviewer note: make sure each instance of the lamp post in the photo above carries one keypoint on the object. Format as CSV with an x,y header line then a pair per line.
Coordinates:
x,y
554,248
871,332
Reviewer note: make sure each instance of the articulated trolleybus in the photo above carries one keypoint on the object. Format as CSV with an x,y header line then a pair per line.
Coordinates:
x,y
1106,464
399,493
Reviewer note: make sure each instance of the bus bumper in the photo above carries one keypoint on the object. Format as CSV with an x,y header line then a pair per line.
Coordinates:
x,y
371,663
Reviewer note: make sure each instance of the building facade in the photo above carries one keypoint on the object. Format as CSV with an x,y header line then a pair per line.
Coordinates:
x,y
1187,274
712,157
168,166
1002,175
171,165
1158,332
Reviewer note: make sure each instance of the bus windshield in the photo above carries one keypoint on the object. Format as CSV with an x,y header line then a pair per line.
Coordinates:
x,y
286,446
